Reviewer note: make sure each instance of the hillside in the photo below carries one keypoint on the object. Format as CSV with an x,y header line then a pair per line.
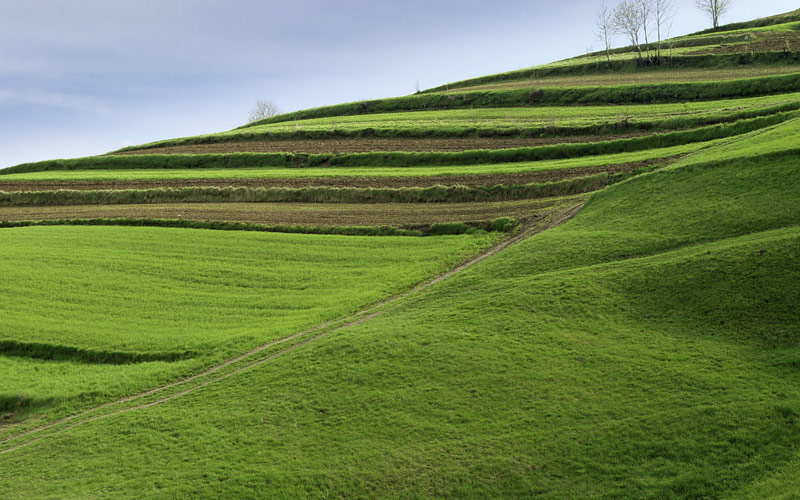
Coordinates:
x,y
579,280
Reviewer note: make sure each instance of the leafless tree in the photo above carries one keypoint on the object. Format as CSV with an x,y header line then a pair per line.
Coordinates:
x,y
645,11
714,8
663,13
604,28
628,21
263,109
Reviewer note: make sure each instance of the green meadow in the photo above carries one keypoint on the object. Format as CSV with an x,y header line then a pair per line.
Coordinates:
x,y
180,299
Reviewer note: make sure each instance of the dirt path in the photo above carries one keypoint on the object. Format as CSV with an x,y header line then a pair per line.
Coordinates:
x,y
252,358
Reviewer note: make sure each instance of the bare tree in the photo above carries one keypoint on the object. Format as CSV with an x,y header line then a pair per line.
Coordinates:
x,y
604,29
715,9
663,13
628,21
263,109
645,11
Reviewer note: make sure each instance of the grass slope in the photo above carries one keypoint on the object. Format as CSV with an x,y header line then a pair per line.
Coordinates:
x,y
207,294
630,353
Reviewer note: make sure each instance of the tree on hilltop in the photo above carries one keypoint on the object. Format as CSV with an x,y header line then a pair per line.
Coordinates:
x,y
644,9
628,21
604,29
663,13
714,9
263,109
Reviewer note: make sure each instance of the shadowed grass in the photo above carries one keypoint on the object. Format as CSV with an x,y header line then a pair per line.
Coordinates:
x,y
501,224
53,352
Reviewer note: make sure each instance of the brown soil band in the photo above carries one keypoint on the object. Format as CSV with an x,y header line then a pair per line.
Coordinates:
x,y
765,42
355,182
402,215
369,145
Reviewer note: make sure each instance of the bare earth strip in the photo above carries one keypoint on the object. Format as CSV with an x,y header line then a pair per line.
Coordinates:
x,y
292,214
652,76
354,182
768,42
369,145
262,354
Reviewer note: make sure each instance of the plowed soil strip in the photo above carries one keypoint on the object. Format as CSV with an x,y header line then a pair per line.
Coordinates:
x,y
252,359
290,214
785,41
355,182
653,76
369,145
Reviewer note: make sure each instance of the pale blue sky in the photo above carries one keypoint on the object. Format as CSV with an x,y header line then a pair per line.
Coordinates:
x,y
85,77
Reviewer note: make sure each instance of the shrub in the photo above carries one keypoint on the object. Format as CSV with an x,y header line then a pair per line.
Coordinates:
x,y
448,228
503,224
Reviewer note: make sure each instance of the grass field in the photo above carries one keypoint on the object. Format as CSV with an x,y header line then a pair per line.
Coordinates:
x,y
186,294
584,284
142,275
603,328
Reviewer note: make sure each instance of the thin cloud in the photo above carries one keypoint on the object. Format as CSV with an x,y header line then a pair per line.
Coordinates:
x,y
84,104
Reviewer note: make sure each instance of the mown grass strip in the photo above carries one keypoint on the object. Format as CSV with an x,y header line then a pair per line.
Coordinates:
x,y
566,96
51,352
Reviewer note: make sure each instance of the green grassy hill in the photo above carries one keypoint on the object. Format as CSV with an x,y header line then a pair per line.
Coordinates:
x,y
580,280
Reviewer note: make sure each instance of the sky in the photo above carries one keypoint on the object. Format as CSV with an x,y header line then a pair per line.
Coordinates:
x,y
85,77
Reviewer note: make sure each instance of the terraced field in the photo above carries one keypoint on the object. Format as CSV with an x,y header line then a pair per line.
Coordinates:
x,y
480,127
503,288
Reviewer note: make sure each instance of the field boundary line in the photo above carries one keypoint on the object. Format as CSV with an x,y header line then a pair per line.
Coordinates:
x,y
370,312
